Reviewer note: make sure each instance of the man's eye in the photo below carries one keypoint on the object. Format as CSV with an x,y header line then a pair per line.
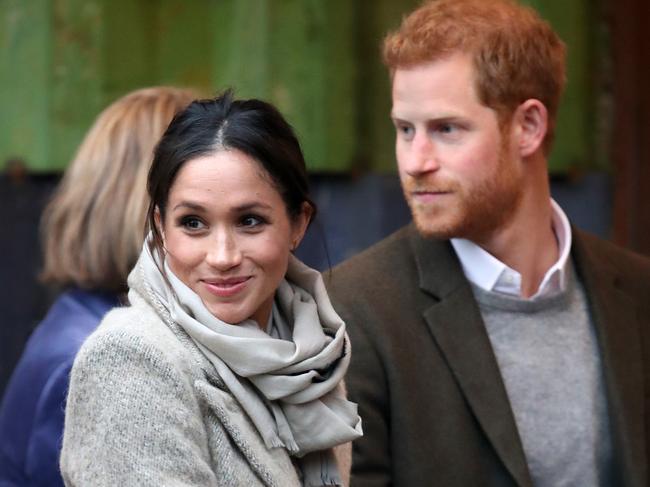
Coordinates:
x,y
405,131
446,128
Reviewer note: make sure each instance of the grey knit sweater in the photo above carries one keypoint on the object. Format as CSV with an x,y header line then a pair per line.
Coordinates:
x,y
146,408
550,362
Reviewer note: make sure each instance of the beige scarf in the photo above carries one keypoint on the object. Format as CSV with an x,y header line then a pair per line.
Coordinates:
x,y
290,388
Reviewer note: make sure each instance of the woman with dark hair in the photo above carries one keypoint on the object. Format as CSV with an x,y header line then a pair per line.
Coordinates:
x,y
227,368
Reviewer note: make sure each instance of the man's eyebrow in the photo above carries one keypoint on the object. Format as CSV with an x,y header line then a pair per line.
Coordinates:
x,y
436,118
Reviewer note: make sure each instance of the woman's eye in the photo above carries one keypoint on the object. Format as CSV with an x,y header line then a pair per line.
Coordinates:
x,y
192,223
251,221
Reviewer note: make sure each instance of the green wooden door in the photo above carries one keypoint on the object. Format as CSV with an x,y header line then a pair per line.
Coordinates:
x,y
62,61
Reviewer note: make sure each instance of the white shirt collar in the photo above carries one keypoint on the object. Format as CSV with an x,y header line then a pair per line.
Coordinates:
x,y
489,273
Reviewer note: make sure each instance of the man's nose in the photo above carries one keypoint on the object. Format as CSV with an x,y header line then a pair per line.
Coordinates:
x,y
421,157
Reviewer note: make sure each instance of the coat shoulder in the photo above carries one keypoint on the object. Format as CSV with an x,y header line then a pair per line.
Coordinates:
x,y
133,344
602,254
140,327
373,265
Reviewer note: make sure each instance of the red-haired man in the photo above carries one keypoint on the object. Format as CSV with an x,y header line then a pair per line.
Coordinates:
x,y
494,343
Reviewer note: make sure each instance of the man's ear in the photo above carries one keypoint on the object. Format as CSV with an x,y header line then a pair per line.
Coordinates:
x,y
531,125
300,225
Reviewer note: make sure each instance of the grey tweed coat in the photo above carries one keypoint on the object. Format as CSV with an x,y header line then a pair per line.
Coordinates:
x,y
146,408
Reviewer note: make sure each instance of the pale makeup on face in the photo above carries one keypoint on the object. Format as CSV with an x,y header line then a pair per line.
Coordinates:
x,y
458,174
227,234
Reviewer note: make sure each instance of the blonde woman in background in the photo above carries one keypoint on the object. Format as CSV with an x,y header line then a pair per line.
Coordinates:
x,y
92,233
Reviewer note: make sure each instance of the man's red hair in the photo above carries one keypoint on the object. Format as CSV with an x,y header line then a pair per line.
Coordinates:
x,y
516,54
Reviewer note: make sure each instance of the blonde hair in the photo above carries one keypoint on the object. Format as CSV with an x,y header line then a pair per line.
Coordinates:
x,y
93,227
517,55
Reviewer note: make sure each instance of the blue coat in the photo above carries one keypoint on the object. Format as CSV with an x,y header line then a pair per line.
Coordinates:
x,y
32,409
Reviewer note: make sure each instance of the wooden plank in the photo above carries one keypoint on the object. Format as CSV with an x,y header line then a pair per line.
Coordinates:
x,y
630,20
241,47
184,47
313,75
129,46
298,55
24,82
376,135
572,142
76,75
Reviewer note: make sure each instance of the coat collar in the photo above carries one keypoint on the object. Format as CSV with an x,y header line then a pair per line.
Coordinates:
x,y
455,322
616,317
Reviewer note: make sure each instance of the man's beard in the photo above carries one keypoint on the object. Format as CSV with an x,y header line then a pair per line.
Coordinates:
x,y
474,212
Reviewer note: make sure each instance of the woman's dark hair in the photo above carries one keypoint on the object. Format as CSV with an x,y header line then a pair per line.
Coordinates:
x,y
253,127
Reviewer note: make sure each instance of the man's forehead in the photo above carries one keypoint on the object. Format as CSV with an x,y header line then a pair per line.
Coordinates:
x,y
443,85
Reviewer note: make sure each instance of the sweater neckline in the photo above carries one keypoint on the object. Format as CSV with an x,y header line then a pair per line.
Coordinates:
x,y
507,302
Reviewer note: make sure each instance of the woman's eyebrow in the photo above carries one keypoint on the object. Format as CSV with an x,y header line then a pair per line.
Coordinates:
x,y
243,207
190,205
252,206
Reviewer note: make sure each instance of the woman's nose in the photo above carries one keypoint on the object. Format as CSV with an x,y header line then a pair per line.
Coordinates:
x,y
224,251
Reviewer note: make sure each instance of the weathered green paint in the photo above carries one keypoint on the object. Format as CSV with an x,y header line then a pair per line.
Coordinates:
x,y
25,28
75,84
313,77
184,43
241,47
129,46
574,131
61,61
376,135
50,79
299,54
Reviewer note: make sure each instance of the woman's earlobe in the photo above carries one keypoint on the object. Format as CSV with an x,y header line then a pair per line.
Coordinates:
x,y
297,238
159,226
301,224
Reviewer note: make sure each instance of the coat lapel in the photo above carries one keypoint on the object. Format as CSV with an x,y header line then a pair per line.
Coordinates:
x,y
615,316
458,329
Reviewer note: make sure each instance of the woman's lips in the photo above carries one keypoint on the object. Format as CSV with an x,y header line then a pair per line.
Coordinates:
x,y
225,288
